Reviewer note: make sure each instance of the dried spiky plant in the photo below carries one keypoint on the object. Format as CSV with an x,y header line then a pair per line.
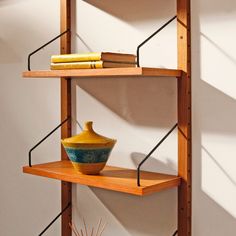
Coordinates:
x,y
98,232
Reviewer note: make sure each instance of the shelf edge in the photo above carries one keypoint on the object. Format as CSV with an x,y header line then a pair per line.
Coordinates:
x,y
134,190
109,72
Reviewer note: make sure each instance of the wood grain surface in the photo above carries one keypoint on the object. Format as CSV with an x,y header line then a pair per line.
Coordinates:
x,y
112,178
184,118
65,47
111,72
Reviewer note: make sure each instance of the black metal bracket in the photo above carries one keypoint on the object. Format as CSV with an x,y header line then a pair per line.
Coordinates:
x,y
138,48
63,122
68,205
151,36
38,49
150,153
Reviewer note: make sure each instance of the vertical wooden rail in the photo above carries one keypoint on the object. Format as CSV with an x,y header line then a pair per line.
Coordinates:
x,y
184,117
65,112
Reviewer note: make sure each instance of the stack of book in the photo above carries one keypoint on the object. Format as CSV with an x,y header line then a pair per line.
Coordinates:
x,y
92,61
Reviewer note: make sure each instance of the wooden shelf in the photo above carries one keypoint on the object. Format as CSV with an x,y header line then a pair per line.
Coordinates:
x,y
111,72
112,178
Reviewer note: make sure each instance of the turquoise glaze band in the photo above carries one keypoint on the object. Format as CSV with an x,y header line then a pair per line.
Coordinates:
x,y
88,155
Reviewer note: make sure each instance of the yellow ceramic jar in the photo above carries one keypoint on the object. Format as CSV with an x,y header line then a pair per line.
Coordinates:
x,y
88,151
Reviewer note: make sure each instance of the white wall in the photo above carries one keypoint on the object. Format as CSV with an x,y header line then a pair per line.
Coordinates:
x,y
136,112
214,115
28,110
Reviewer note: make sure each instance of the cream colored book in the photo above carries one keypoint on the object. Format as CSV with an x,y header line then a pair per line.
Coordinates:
x,y
95,56
89,65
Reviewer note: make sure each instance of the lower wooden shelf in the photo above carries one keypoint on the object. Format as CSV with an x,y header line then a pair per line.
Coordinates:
x,y
112,178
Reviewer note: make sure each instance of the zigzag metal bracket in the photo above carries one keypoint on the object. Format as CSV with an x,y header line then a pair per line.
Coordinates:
x,y
150,153
45,139
68,205
38,49
151,36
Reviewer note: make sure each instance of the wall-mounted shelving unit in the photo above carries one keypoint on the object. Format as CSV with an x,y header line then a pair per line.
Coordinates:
x,y
115,178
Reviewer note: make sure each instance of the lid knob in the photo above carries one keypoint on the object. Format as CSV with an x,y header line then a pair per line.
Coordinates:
x,y
88,126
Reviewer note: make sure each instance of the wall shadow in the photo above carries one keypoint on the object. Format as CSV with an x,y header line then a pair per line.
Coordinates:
x,y
140,101
213,112
152,164
136,11
214,219
127,10
142,215
217,47
215,7
86,46
219,109
127,214
4,3
219,166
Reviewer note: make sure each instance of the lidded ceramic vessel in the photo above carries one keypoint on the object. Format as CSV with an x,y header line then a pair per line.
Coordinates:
x,y
88,151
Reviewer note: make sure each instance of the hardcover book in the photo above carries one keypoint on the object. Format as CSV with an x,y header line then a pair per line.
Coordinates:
x,y
100,56
89,65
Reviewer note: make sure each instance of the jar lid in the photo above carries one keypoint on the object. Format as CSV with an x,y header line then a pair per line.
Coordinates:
x,y
88,136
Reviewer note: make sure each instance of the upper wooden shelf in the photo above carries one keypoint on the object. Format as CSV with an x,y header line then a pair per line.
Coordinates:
x,y
111,72
112,178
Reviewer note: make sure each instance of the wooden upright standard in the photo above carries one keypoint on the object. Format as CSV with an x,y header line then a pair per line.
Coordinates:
x,y
65,112
184,118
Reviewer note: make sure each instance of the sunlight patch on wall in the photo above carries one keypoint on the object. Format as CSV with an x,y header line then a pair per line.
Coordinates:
x,y
217,58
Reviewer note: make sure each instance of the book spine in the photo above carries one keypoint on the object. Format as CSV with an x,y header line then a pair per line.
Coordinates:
x,y
76,57
77,65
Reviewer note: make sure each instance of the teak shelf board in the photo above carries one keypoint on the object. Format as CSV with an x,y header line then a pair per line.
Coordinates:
x,y
112,178
111,72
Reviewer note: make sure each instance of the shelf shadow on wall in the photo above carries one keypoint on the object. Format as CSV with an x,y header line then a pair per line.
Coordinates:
x,y
9,2
142,10
153,164
214,7
142,215
216,219
227,55
136,11
219,166
87,47
140,101
218,108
